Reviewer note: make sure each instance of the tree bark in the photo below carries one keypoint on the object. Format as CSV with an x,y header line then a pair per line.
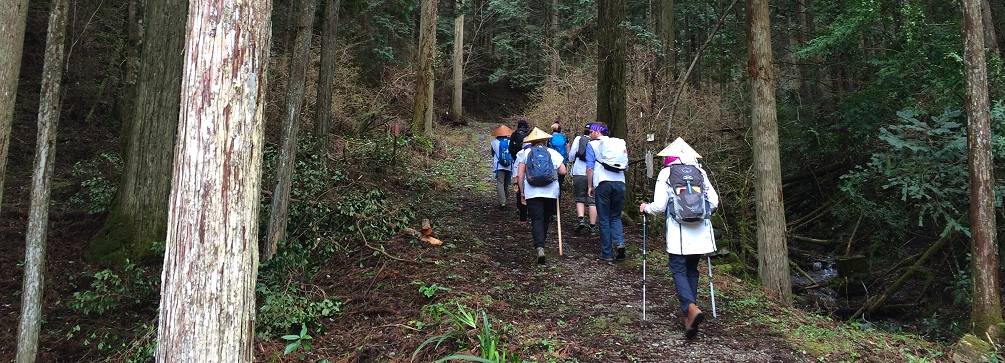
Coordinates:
x,y
611,49
773,259
458,62
422,116
207,304
985,317
41,186
139,215
552,41
668,38
13,16
279,212
326,73
990,39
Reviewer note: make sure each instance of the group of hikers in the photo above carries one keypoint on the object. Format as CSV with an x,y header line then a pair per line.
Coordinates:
x,y
536,163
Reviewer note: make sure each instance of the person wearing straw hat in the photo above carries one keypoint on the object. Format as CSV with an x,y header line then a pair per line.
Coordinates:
x,y
539,196
607,188
686,241
584,202
502,163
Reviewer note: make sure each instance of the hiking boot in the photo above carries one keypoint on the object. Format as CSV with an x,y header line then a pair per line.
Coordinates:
x,y
621,253
502,206
692,320
554,218
580,226
540,255
523,223
593,230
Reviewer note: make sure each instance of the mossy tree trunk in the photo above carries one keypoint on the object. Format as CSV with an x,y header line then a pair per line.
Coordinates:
x,y
772,250
139,215
986,313
13,16
458,62
422,114
280,211
41,185
611,49
207,304
668,39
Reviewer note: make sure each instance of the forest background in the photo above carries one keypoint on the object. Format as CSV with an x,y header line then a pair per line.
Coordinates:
x,y
871,116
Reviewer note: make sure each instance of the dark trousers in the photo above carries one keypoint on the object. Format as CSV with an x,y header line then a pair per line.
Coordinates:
x,y
520,208
541,210
685,277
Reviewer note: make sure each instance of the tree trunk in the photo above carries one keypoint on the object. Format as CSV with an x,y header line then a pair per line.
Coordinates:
x,y
13,15
139,216
458,62
611,49
326,73
279,212
41,185
668,38
422,116
985,317
207,304
990,40
773,259
552,39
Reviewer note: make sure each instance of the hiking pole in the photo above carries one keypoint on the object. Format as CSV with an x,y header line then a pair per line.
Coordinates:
x,y
558,220
711,289
644,267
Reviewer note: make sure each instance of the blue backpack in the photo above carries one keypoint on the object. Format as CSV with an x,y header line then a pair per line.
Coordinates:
x,y
557,142
540,170
503,155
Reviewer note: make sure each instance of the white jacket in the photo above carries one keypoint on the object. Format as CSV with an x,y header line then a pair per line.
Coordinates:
x,y
686,239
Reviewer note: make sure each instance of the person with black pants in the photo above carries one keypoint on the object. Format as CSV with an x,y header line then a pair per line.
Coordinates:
x,y
541,198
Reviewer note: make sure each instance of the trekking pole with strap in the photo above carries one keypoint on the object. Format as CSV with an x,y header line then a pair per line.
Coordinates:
x,y
644,267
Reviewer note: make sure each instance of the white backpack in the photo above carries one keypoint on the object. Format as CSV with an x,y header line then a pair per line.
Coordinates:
x,y
612,154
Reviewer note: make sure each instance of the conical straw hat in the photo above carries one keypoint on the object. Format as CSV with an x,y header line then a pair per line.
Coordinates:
x,y
502,130
679,148
537,135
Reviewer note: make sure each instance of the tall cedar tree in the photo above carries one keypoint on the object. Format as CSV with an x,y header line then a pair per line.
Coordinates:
x,y
207,304
41,185
986,314
611,81
772,250
326,73
280,211
13,16
139,214
458,61
422,115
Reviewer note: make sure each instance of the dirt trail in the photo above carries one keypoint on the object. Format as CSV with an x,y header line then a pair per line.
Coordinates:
x,y
590,309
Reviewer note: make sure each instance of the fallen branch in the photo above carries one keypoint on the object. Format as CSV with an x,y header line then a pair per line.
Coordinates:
x,y
873,303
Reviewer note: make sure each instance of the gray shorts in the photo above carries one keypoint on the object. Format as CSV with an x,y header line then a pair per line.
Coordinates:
x,y
580,187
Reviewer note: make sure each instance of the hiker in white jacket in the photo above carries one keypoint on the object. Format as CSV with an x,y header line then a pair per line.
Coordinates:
x,y
686,243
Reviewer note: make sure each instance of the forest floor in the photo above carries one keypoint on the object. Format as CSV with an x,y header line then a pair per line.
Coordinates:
x,y
574,308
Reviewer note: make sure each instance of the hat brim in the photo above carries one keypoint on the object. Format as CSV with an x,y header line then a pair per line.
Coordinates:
x,y
536,135
502,131
679,148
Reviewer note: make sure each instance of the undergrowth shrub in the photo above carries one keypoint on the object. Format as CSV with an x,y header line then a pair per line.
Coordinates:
x,y
919,179
99,176
328,213
109,290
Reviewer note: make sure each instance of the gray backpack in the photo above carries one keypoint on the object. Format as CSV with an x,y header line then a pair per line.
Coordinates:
x,y
687,204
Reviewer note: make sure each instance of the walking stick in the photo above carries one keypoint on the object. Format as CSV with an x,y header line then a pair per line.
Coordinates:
x,y
558,219
644,267
711,289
